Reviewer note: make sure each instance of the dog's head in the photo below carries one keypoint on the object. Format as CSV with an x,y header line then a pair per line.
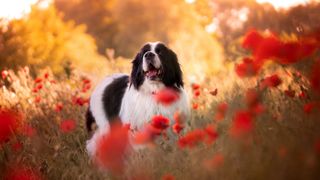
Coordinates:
x,y
156,63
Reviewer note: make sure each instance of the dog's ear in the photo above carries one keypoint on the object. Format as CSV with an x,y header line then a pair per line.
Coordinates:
x,y
172,74
137,76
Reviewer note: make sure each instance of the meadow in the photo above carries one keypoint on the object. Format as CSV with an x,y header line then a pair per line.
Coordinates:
x,y
257,119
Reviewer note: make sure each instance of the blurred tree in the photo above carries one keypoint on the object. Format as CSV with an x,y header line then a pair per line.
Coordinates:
x,y
125,25
232,19
43,39
96,15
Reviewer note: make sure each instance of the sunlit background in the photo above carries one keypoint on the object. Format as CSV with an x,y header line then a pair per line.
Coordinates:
x,y
17,8
223,22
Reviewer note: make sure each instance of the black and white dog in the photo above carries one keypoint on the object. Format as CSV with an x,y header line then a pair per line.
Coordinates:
x,y
130,98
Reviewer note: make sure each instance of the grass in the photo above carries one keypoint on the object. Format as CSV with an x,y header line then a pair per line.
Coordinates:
x,y
280,146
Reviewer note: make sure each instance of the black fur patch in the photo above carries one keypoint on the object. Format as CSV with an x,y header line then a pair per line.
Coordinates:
x,y
112,97
137,76
172,74
89,120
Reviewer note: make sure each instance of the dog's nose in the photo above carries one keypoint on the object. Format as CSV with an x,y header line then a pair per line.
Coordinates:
x,y
149,55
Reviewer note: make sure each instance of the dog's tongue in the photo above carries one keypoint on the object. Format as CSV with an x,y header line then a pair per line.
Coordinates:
x,y
152,73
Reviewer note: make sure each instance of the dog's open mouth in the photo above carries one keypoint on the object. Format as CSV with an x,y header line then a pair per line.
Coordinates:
x,y
153,73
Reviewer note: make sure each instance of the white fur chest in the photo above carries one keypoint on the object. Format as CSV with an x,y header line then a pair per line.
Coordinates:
x,y
138,107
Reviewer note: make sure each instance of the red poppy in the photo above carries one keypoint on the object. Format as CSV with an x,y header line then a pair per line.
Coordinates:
x,y
308,107
112,147
242,124
46,75
168,177
282,151
192,138
221,111
58,107
68,125
17,146
216,161
4,74
271,81
28,130
80,101
257,109
39,86
315,76
252,39
211,133
177,128
35,90
252,98
248,67
317,146
268,48
37,99
166,96
196,93
195,106
214,92
21,173
195,86
9,123
160,122
38,80
302,95
86,81
290,93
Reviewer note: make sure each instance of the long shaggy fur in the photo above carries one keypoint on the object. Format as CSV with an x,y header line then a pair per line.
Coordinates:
x,y
130,99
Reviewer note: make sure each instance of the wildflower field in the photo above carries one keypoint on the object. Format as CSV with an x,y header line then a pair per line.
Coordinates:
x,y
258,119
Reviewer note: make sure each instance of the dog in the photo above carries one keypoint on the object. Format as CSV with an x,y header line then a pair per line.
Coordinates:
x,y
130,99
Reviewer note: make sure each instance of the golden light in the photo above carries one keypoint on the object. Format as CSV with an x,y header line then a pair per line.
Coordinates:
x,y
190,1
284,4
14,9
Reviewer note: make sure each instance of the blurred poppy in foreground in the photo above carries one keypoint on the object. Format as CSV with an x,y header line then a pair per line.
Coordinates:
x,y
216,161
21,173
271,46
242,124
315,77
271,81
317,146
191,138
168,177
112,147
290,93
195,106
4,74
166,96
248,67
221,111
9,123
17,146
212,134
179,122
58,107
28,130
196,93
68,125
309,107
195,86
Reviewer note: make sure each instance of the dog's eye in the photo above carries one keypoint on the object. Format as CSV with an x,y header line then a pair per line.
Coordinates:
x,y
158,51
